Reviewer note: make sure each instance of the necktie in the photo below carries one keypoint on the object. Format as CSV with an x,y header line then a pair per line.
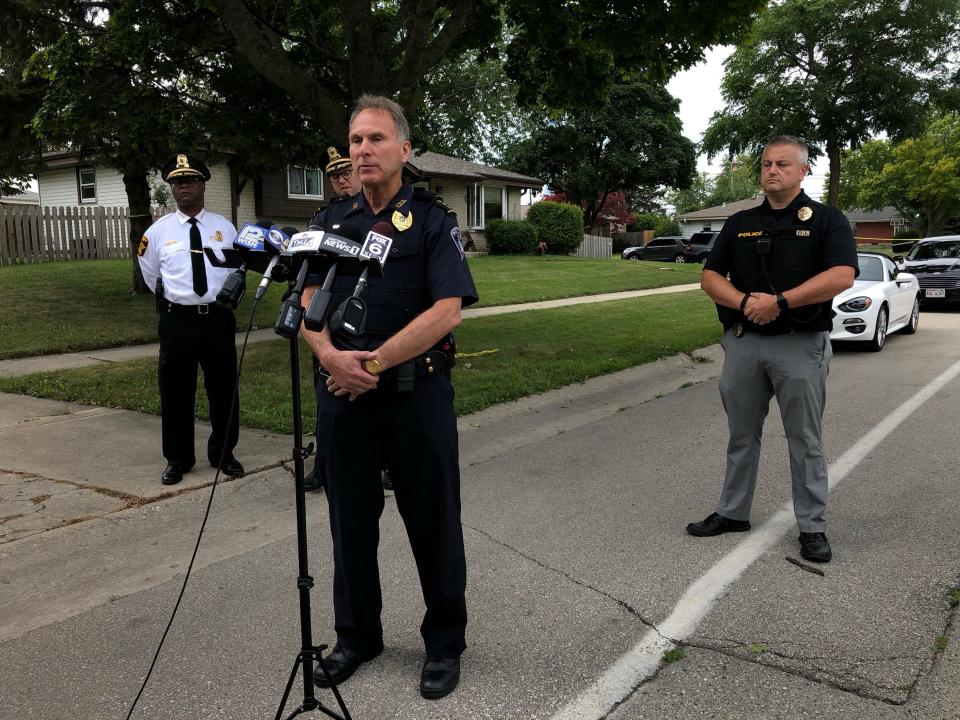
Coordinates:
x,y
196,259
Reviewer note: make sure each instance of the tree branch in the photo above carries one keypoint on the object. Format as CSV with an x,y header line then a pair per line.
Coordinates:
x,y
263,49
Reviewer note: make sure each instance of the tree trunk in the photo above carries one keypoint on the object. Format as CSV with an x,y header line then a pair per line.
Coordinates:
x,y
833,152
138,199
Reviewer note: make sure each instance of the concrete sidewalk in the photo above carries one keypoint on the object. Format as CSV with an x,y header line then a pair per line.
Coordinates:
x,y
66,361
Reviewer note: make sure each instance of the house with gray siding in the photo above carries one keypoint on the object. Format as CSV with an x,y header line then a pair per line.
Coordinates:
x,y
477,193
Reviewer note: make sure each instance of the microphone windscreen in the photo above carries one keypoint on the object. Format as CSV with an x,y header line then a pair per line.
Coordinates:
x,y
265,223
383,228
289,230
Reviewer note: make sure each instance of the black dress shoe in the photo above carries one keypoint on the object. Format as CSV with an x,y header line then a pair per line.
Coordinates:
x,y
439,677
231,466
815,547
172,474
717,525
314,481
341,664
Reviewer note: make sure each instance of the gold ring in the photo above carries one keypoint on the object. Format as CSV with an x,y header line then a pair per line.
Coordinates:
x,y
372,366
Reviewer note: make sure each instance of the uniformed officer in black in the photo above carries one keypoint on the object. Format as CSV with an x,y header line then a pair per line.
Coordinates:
x,y
786,260
389,400
193,329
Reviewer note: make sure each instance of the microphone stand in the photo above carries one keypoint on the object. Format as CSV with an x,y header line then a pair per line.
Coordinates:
x,y
309,653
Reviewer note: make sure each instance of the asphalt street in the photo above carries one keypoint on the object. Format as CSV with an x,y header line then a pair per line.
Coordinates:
x,y
574,507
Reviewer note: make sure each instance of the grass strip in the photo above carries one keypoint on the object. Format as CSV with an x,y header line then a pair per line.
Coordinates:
x,y
537,351
60,307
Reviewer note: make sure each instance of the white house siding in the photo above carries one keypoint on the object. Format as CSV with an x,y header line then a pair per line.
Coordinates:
x,y
59,187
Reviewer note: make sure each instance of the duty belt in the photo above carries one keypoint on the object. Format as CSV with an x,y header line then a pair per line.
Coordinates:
x,y
401,377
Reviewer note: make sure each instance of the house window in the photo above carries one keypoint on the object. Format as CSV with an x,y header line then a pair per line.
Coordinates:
x,y
86,185
485,203
305,183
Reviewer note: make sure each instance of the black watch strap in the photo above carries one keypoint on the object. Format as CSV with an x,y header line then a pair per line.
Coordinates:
x,y
782,301
743,303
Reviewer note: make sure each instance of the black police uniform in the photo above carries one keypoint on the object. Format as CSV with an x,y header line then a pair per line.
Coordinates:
x,y
770,251
407,423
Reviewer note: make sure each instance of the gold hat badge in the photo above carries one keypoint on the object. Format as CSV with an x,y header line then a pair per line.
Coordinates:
x,y
182,161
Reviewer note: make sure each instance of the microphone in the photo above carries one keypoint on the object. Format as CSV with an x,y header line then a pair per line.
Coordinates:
x,y
276,238
351,316
249,243
340,247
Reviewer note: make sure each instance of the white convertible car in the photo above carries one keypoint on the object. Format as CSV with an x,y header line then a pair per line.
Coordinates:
x,y
882,300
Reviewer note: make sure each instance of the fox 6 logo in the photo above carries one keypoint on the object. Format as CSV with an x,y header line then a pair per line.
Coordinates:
x,y
376,247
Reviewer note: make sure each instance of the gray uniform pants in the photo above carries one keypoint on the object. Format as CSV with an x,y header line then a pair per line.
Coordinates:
x,y
794,367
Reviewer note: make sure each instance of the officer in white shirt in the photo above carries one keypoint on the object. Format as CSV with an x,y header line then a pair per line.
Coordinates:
x,y
193,329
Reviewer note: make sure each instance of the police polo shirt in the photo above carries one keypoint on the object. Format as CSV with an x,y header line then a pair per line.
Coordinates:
x,y
165,252
832,246
426,262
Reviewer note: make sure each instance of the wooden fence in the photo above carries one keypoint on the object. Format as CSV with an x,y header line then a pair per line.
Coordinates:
x,y
595,246
29,233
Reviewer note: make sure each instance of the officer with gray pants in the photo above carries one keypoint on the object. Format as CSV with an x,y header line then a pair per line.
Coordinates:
x,y
773,273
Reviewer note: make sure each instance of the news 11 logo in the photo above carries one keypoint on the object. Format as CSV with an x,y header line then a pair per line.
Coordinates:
x,y
376,247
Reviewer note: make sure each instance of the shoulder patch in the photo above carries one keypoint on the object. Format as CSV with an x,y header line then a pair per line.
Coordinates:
x,y
144,242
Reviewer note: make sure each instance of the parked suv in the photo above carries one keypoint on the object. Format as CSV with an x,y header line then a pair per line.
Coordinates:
x,y
668,247
701,243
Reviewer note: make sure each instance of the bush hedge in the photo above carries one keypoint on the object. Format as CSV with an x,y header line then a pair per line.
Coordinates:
x,y
560,225
511,237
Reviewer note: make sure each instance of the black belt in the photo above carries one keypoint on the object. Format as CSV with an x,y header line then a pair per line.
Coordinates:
x,y
201,310
400,377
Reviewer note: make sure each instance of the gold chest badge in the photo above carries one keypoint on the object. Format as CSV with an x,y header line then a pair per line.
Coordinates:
x,y
402,222
218,236
804,213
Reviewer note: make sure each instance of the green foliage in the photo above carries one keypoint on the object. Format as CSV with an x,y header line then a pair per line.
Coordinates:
x,y
666,226
644,221
634,140
560,225
921,178
674,654
511,237
857,164
835,73
757,648
695,197
738,180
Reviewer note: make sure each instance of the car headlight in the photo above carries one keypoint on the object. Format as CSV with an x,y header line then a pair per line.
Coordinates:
x,y
857,304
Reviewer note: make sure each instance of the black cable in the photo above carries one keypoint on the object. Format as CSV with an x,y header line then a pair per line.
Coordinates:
x,y
206,514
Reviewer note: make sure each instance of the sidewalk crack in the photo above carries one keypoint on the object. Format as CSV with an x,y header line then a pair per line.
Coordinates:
x,y
563,573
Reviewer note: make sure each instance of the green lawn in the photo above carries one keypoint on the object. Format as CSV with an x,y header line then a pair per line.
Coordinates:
x,y
84,305
536,351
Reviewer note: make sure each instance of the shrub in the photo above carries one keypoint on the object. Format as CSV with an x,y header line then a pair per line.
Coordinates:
x,y
666,226
644,221
511,237
560,225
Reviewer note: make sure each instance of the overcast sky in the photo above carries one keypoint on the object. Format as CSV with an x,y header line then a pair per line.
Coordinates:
x,y
698,90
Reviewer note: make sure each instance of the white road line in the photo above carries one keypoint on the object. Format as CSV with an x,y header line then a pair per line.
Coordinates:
x,y
643,660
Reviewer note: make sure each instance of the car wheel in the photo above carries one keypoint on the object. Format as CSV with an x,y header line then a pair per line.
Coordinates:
x,y
678,258
880,334
634,257
911,327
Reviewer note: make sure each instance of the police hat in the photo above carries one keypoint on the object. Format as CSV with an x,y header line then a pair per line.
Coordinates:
x,y
338,162
185,166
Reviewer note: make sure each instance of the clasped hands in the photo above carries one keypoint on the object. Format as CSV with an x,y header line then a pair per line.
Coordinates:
x,y
761,308
347,376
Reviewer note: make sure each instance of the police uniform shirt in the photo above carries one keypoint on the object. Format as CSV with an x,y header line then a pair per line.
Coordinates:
x,y
426,261
165,252
821,232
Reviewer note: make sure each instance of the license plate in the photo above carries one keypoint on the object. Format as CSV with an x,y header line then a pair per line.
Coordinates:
x,y
935,293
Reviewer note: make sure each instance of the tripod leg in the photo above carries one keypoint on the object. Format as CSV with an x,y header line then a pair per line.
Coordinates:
x,y
286,691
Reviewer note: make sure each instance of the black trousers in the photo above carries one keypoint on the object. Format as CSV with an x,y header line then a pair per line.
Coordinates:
x,y
186,342
414,434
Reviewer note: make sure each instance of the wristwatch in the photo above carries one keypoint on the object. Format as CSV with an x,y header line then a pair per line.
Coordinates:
x,y
782,302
